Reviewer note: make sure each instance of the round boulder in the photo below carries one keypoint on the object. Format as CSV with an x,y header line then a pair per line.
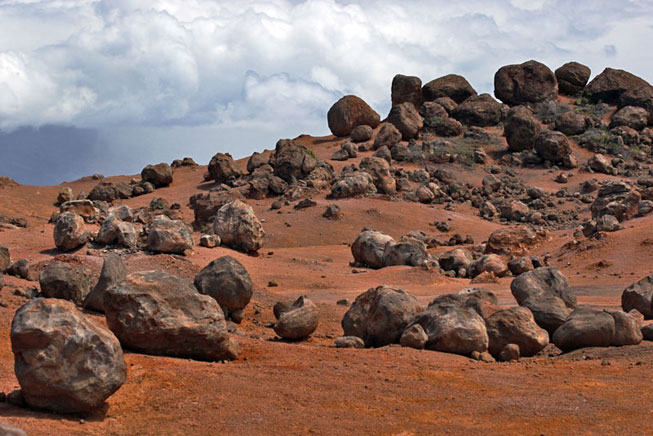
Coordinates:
x,y
349,112
609,86
406,89
223,169
66,281
530,82
452,85
69,231
406,119
552,146
169,236
585,327
515,326
299,321
572,78
479,110
159,175
238,227
369,248
226,280
521,129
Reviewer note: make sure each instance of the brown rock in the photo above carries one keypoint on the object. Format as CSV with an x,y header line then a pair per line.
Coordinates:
x,y
452,85
349,112
530,82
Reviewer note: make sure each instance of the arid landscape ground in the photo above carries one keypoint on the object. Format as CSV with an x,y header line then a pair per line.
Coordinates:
x,y
311,387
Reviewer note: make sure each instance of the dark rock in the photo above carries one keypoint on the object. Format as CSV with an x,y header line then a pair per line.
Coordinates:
x,y
585,327
549,311
608,86
530,82
543,281
618,199
349,112
291,161
223,169
65,281
414,337
379,169
520,265
353,184
406,119
169,236
361,133
639,296
19,269
480,110
387,136
570,123
5,259
113,274
369,248
69,231
299,321
406,89
479,300
332,212
627,329
452,85
630,116
407,251
553,146
256,160
238,227
572,78
515,326
159,175
349,342
454,331
228,282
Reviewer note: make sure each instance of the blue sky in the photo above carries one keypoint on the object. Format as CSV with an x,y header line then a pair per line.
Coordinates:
x,y
129,82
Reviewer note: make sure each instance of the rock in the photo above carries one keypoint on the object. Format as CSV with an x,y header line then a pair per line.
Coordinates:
x,y
514,211
608,223
228,282
406,119
600,164
210,241
521,129
84,208
552,146
238,227
433,113
223,169
113,274
388,136
62,280
159,175
156,313
572,78
406,89
64,361
361,133
281,307
69,231
349,342
480,110
639,296
65,194
19,269
520,265
549,311
9,430
169,236
332,212
353,184
380,315
543,280
206,206
510,353
449,127
479,300
627,329
618,199
414,337
630,116
608,86
459,331
349,112
515,326
491,263
454,260
107,191
530,82
379,169
585,327
292,162
5,259
256,160
515,241
407,251
647,332
451,85
571,123
369,248
299,322
116,231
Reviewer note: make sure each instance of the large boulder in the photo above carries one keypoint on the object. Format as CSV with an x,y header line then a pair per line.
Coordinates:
x,y
490,263
585,327
69,231
407,251
109,191
452,85
362,133
406,89
379,169
521,129
549,311
291,161
169,236
479,110
406,119
456,259
627,329
159,175
348,112
618,199
530,82
630,116
515,241
85,208
388,136
66,281
353,184
572,78
238,227
226,280
64,361
380,315
299,321
571,123
639,296
515,326
223,169
611,84
459,331
156,313
553,146
115,231
369,248
206,206
113,273
479,300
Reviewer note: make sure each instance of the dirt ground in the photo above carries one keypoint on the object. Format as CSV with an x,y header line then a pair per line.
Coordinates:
x,y
276,387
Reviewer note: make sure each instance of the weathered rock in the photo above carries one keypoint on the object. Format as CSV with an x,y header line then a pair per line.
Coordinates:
x,y
530,82
64,361
618,199
69,231
380,315
210,241
299,322
520,265
332,212
238,227
452,85
627,329
379,169
509,353
353,184
9,430
349,342
116,231
406,119
407,251
571,123
169,236
514,211
572,78
639,296
255,161
228,282
369,248
454,260
223,169
491,263
479,110
521,129
414,337
361,133
206,206
349,112
611,84
479,300
20,269
630,116
113,274
549,311
388,136
585,327
65,194
108,191
459,331
65,281
84,208
156,313
601,164
516,241
433,113
542,281
5,259
292,162
515,326
406,89
159,175
552,146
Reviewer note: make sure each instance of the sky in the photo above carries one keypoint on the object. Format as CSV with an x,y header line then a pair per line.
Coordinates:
x,y
108,86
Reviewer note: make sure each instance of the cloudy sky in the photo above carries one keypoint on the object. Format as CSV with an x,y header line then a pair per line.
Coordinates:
x,y
108,86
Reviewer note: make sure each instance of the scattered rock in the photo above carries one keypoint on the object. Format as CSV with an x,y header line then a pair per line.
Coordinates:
x,y
159,175
349,112
333,212
618,199
66,281
369,248
238,227
388,136
552,146
630,116
169,236
349,342
459,331
530,82
210,241
19,269
639,296
358,183
571,123
585,327
113,274
362,133
69,231
510,353
299,321
65,194
228,282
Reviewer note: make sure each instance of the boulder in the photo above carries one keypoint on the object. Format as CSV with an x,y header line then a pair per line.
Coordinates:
x,y
491,263
515,326
19,269
108,191
543,281
380,315
156,313
292,162
69,231
206,206
379,169
572,78
479,300
349,342
113,274
369,248
521,129
433,113
515,241
618,199
459,331
452,85
238,227
354,184
228,282
509,353
407,251
406,89
388,136
627,329
571,123
530,82
116,231
406,119
223,169
210,241
84,208
299,321
361,133
549,311
479,110
455,260
349,112
585,327
414,337
5,259
601,164
64,361
553,146
639,296
630,116
520,265
169,236
448,127
608,86
66,281
65,195
159,175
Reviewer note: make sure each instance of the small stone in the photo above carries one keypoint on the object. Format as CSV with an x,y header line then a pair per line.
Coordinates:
x,y
349,342
509,353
